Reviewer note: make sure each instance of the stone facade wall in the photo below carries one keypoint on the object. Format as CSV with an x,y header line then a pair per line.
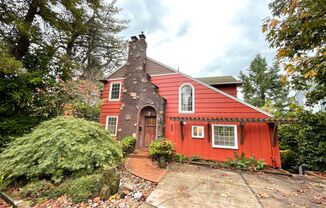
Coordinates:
x,y
138,92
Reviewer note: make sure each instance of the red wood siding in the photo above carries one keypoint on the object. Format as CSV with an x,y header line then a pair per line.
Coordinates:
x,y
110,107
209,103
231,89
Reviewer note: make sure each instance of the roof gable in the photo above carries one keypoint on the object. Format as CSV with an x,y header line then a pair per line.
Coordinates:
x,y
155,68
152,68
214,89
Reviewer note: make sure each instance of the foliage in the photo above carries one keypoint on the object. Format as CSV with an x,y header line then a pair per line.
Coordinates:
x,y
264,85
24,100
297,29
162,147
180,158
128,145
36,189
45,43
60,147
194,158
304,141
78,189
242,162
81,35
80,98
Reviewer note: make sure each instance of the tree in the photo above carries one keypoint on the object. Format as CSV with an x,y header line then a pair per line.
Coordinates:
x,y
80,34
44,42
264,85
297,29
304,141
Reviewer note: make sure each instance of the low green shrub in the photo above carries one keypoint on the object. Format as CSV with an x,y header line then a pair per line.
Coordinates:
x,y
180,158
244,163
194,158
78,189
36,189
162,147
128,145
59,148
289,160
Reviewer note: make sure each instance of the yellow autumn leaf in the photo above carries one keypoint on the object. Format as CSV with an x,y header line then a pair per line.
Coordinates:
x,y
289,68
324,53
283,80
281,53
311,73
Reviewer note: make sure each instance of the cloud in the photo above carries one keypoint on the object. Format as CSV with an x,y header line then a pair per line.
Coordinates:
x,y
202,39
143,15
249,42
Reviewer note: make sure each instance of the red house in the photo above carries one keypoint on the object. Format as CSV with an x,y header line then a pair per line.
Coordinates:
x,y
201,116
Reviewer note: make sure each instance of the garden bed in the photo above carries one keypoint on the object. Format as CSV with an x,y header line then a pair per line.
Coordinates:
x,y
132,193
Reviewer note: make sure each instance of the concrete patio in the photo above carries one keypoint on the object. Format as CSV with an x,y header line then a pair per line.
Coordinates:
x,y
194,186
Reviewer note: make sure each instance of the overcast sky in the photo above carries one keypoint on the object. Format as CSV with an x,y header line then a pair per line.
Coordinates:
x,y
201,38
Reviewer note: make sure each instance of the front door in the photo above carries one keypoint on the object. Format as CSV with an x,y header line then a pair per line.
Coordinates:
x,y
149,130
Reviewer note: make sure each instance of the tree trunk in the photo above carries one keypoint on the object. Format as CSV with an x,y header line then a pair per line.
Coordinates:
x,y
23,40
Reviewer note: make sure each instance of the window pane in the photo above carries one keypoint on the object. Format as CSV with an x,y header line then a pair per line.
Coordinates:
x,y
112,124
200,132
224,136
186,98
115,91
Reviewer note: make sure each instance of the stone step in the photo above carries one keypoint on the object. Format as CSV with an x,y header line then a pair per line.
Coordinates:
x,y
140,154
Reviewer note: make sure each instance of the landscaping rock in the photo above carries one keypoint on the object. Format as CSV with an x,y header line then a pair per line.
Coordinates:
x,y
111,182
138,195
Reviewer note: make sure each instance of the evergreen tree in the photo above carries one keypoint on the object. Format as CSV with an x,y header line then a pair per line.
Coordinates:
x,y
264,86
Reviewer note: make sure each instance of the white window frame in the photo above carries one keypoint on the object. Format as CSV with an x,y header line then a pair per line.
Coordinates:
x,y
112,83
192,132
116,126
235,137
193,98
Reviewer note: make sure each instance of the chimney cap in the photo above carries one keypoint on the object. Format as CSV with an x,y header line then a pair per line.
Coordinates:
x,y
142,36
134,38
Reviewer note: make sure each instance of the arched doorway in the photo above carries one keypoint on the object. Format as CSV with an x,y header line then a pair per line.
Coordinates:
x,y
147,126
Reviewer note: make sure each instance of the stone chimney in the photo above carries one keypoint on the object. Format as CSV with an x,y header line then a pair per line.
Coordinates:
x,y
138,91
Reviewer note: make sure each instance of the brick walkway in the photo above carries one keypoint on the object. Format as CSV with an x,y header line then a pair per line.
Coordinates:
x,y
140,164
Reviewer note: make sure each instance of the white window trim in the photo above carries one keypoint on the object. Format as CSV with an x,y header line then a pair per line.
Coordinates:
x,y
192,132
193,98
116,126
111,91
235,137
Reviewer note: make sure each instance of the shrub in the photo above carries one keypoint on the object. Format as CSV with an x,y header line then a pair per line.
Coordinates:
x,y
162,147
36,189
128,145
305,140
180,158
60,147
194,158
78,189
244,163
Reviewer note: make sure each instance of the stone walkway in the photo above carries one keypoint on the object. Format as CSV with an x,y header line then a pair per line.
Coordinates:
x,y
140,164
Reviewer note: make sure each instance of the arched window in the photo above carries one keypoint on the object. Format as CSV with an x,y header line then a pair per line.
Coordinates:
x,y
186,99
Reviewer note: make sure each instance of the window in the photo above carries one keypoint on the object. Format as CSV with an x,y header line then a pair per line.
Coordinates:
x,y
115,91
197,131
186,99
112,124
224,136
